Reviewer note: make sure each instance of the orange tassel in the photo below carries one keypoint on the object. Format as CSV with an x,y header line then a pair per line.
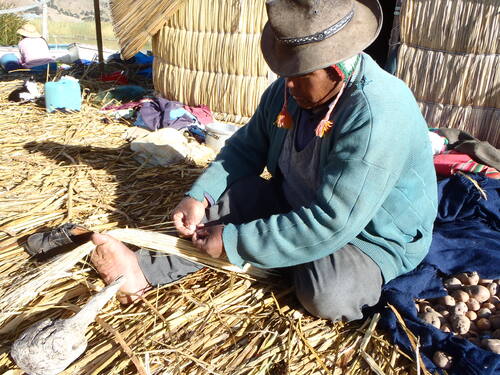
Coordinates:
x,y
284,119
323,127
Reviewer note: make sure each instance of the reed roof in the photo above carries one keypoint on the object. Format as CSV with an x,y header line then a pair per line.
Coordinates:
x,y
136,21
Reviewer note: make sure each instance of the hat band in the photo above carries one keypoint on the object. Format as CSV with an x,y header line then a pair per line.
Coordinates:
x,y
319,36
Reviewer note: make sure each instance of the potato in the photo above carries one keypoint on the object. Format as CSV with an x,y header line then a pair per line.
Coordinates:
x,y
479,293
488,305
495,321
460,308
471,315
473,304
433,318
460,324
424,306
485,282
442,360
452,283
484,313
445,313
483,324
493,287
493,345
494,300
447,301
460,296
445,327
468,278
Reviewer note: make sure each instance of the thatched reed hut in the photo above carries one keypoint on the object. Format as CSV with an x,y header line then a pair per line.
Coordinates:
x,y
206,51
450,58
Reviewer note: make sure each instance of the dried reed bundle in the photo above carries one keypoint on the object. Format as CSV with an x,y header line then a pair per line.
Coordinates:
x,y
464,80
460,26
219,63
135,22
449,57
172,245
30,284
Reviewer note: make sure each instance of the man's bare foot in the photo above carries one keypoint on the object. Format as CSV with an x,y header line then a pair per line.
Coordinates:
x,y
112,259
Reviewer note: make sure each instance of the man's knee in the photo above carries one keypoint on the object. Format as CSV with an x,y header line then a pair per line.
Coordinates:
x,y
328,304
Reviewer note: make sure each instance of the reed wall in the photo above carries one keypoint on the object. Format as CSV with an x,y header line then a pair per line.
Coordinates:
x,y
209,53
449,56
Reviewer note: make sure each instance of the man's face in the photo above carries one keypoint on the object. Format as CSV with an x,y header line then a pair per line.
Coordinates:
x,y
313,89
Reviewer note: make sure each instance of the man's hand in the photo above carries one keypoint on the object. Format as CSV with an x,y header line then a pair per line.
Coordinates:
x,y
187,215
208,239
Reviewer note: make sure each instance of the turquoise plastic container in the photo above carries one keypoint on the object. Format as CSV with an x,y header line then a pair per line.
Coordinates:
x,y
64,95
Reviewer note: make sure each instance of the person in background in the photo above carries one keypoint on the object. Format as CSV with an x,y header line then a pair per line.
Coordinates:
x,y
33,48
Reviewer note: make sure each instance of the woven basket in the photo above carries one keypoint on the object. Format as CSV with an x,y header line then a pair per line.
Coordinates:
x,y
449,57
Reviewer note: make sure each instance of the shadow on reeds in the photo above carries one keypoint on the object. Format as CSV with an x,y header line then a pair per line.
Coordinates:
x,y
142,195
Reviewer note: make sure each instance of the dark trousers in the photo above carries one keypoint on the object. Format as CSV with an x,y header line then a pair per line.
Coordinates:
x,y
334,287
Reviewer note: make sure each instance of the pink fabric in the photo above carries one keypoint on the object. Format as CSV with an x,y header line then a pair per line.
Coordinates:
x,y
202,113
451,162
34,52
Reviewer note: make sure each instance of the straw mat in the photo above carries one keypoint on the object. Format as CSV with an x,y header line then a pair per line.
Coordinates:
x,y
75,167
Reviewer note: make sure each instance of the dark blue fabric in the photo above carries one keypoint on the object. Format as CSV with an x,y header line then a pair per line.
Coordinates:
x,y
466,238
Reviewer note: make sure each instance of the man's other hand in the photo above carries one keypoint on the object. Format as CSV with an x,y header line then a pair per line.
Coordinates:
x,y
187,215
208,239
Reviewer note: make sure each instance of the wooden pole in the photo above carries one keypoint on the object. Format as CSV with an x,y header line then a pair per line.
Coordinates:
x,y
98,32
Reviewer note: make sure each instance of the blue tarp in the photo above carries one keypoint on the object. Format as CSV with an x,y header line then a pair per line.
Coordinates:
x,y
466,238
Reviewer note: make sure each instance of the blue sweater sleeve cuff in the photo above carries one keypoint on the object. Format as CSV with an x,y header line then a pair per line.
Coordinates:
x,y
196,194
230,240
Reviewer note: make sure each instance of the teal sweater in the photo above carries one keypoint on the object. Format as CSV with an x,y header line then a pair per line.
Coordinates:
x,y
378,184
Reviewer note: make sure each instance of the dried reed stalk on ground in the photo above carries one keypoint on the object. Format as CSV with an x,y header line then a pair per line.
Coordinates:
x,y
73,167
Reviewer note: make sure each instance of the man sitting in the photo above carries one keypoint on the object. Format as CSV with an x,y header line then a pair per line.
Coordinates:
x,y
352,198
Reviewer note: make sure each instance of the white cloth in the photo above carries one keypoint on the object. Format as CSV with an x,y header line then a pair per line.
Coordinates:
x,y
438,143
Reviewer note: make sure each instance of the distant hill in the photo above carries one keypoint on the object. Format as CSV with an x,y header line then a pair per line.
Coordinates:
x,y
70,10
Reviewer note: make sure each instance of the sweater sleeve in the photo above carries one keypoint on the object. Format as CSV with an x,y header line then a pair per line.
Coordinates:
x,y
356,179
245,153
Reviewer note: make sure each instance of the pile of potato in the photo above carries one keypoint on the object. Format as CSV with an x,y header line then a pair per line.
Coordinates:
x,y
470,310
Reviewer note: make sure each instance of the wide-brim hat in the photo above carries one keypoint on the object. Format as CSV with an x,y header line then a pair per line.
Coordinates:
x,y
28,30
302,36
